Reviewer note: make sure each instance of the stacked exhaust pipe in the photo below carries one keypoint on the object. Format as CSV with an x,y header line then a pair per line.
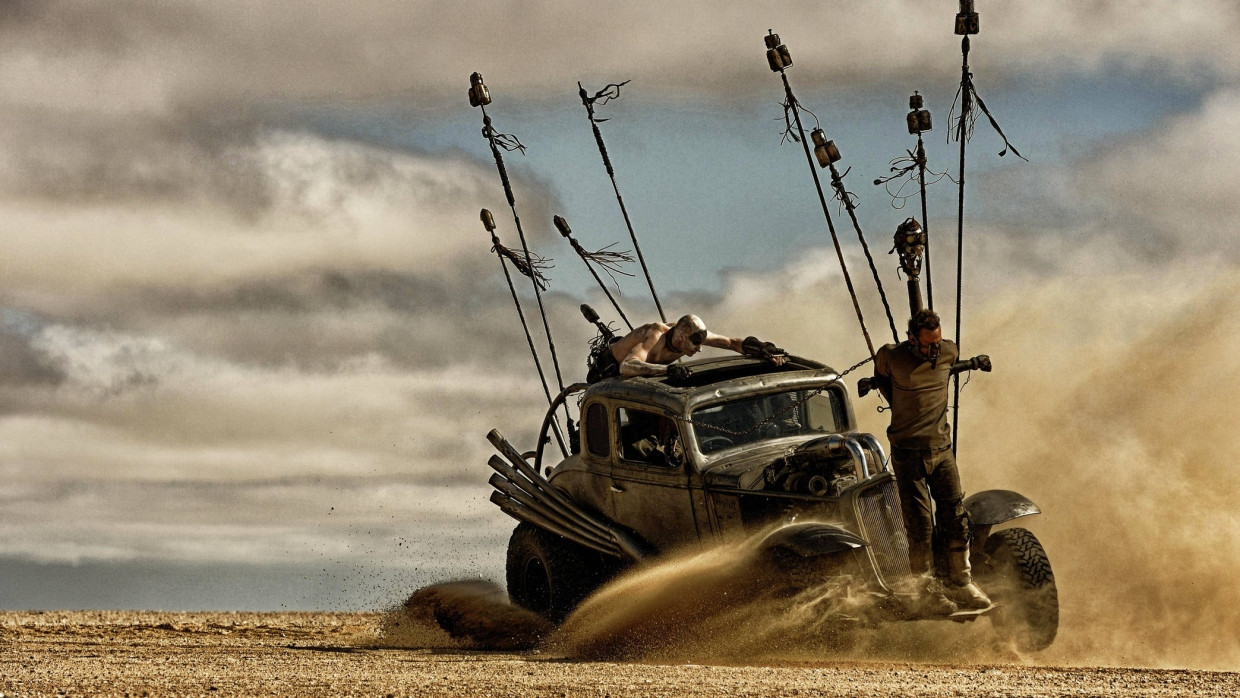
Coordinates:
x,y
525,495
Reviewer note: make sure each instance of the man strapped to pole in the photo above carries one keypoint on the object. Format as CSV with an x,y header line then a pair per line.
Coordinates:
x,y
650,349
914,377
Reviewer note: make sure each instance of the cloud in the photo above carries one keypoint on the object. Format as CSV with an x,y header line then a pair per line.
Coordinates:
x,y
145,57
1172,187
315,204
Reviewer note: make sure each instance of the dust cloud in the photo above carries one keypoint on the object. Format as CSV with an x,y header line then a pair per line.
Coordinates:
x,y
472,614
1110,406
718,606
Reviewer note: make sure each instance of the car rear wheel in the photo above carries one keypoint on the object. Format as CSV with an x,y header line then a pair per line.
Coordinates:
x,y
1017,575
550,575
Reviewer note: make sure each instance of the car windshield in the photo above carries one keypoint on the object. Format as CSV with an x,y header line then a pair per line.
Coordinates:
x,y
776,415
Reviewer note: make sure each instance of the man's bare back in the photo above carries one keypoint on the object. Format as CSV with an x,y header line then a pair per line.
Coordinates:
x,y
650,348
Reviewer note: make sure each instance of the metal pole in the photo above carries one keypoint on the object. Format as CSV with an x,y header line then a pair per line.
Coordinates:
x,y
611,174
837,182
567,232
822,199
966,104
479,96
489,223
925,219
778,56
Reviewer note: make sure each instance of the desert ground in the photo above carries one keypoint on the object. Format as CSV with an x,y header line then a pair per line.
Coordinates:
x,y
338,654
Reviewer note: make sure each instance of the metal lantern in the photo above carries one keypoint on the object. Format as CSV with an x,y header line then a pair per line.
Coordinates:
x,y
777,54
479,95
918,119
967,21
824,150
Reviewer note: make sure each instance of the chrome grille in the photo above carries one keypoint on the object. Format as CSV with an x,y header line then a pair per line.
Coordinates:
x,y
882,525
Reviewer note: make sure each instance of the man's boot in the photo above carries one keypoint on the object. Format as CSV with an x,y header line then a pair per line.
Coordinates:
x,y
930,599
960,587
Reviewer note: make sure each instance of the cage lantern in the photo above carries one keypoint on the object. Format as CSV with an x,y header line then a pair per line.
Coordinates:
x,y
967,21
479,95
918,119
824,150
777,54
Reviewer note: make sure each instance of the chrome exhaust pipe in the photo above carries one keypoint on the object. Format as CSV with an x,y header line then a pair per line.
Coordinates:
x,y
515,493
839,444
543,491
521,513
871,442
537,490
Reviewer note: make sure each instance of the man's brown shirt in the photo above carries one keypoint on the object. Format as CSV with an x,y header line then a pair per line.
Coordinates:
x,y
918,394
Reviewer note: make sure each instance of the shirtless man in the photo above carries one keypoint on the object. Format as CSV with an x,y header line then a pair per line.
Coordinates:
x,y
649,350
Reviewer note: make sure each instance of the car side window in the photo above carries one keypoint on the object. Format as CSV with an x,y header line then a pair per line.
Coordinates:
x,y
597,433
649,438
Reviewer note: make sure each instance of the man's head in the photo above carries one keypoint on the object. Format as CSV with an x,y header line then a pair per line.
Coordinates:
x,y
925,334
688,334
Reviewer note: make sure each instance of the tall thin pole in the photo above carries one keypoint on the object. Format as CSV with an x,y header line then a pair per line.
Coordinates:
x,y
567,232
479,96
837,183
488,222
967,23
779,58
966,104
919,121
925,216
607,93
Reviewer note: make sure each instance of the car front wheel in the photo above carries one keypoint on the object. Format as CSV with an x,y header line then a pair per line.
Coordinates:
x,y
1017,575
550,575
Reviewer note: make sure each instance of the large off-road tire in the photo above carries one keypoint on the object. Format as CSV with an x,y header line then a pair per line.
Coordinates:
x,y
550,575
1017,575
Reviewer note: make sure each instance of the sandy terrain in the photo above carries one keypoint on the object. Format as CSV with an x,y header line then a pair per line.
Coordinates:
x,y
210,654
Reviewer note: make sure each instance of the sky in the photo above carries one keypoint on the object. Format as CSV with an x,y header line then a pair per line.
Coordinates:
x,y
252,334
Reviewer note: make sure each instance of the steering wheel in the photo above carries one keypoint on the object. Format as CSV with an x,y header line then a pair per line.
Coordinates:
x,y
715,443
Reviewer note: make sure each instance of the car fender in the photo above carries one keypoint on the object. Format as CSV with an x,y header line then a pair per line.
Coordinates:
x,y
813,539
991,507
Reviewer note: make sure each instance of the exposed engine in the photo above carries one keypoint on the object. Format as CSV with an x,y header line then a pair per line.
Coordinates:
x,y
825,467
810,473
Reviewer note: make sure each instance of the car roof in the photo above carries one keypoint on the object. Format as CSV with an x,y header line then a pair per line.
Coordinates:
x,y
742,372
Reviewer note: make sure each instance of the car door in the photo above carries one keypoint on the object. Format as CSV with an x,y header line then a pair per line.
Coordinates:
x,y
649,481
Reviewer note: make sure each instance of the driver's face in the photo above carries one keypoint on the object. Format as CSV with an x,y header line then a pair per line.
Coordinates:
x,y
688,344
926,343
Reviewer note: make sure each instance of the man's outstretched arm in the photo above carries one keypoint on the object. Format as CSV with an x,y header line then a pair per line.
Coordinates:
x,y
749,346
633,366
981,362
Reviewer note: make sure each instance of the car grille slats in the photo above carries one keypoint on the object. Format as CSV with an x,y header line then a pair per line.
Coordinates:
x,y
881,523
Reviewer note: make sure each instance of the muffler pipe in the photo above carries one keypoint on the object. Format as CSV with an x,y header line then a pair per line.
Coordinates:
x,y
515,493
545,488
521,513
871,442
538,488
